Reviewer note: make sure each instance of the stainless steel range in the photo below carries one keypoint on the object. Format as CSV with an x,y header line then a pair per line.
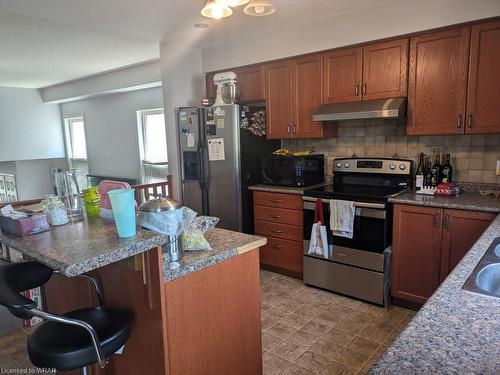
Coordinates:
x,y
358,266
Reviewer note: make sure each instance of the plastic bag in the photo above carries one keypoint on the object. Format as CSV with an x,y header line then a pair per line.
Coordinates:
x,y
171,223
194,238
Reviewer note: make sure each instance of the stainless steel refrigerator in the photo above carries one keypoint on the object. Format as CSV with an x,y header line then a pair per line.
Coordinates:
x,y
218,163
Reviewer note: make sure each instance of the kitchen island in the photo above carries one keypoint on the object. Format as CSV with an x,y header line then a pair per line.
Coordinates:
x,y
201,317
456,331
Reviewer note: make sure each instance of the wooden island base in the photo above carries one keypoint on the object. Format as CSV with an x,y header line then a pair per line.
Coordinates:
x,y
207,322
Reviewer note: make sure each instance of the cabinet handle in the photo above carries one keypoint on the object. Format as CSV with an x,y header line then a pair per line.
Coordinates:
x,y
276,231
364,89
446,224
294,129
276,200
277,246
469,119
356,90
288,129
437,219
276,216
459,122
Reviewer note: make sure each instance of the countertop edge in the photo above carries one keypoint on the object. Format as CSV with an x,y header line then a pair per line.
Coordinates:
x,y
251,246
458,203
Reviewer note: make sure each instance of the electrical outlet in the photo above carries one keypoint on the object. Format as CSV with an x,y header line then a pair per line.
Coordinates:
x,y
498,167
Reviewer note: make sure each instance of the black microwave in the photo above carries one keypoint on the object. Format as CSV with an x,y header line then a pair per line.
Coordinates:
x,y
293,170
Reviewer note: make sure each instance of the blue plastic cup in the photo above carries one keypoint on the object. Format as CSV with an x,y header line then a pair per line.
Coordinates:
x,y
123,205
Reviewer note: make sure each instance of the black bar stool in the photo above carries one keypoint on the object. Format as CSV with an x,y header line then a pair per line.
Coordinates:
x,y
71,341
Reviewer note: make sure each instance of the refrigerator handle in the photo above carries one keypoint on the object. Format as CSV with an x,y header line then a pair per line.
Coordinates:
x,y
204,177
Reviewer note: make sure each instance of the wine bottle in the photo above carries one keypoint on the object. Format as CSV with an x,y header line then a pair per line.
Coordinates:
x,y
447,169
427,171
419,175
436,171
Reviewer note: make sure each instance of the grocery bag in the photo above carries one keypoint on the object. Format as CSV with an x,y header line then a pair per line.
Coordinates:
x,y
319,240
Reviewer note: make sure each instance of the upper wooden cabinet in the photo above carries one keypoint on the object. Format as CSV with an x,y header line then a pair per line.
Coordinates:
x,y
342,75
278,79
438,82
250,80
385,69
293,93
483,111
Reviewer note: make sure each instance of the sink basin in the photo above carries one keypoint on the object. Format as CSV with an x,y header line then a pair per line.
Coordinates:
x,y
488,279
485,279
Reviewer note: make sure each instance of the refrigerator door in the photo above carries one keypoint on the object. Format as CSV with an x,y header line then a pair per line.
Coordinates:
x,y
190,147
222,154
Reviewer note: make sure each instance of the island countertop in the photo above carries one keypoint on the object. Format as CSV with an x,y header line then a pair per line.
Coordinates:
x,y
76,248
225,244
455,332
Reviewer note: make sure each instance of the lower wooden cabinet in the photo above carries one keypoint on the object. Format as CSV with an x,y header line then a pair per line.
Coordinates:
x,y
278,217
427,244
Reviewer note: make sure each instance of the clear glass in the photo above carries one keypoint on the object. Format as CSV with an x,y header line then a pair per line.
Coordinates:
x,y
69,192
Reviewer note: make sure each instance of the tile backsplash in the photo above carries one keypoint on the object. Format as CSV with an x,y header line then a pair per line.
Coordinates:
x,y
473,157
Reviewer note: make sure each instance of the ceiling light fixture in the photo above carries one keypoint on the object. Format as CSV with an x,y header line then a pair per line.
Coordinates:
x,y
259,8
232,3
214,9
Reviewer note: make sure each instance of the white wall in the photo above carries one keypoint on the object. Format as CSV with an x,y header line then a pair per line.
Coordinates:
x,y
395,17
29,128
182,86
129,78
111,129
33,177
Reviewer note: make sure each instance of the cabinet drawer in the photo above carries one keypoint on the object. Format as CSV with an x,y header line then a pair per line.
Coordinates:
x,y
288,232
278,215
290,201
282,253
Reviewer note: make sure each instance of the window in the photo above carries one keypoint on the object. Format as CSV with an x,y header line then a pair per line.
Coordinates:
x,y
153,145
77,148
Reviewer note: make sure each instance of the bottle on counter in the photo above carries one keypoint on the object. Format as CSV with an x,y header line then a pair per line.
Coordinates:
x,y
447,170
419,175
436,171
427,172
55,210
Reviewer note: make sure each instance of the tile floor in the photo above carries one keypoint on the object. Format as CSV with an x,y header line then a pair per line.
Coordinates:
x,y
310,331
304,331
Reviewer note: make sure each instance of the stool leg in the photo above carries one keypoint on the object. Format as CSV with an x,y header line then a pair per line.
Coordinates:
x,y
84,371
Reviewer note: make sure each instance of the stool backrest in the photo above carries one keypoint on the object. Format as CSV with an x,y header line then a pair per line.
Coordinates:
x,y
18,277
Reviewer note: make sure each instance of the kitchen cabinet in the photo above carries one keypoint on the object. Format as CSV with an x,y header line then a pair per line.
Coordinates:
x,y
250,80
278,217
461,229
373,71
438,82
343,71
483,111
427,244
211,90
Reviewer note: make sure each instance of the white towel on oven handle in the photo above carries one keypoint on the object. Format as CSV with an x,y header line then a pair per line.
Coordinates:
x,y
342,215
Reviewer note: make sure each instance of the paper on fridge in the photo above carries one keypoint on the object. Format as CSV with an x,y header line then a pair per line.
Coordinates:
x,y
216,149
342,215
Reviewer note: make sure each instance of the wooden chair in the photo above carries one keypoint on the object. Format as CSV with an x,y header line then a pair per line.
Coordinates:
x,y
145,192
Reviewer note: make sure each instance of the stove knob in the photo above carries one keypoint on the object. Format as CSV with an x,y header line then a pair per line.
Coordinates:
x,y
339,165
392,166
347,165
402,167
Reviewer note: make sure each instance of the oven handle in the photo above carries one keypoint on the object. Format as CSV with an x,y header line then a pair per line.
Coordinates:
x,y
357,204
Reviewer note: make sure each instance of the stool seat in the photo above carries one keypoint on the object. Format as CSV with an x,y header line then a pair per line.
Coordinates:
x,y
66,347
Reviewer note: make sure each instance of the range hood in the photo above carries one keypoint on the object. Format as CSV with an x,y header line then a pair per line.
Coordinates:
x,y
379,108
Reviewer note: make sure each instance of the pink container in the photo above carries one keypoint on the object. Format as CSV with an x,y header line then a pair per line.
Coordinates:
x,y
107,185
25,226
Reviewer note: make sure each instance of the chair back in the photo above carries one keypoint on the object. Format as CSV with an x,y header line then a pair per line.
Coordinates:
x,y
145,192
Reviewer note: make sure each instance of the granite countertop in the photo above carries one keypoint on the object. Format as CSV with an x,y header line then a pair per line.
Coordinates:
x,y
83,246
456,331
284,189
225,244
465,201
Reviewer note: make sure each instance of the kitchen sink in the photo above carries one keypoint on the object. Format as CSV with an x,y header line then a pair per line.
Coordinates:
x,y
485,279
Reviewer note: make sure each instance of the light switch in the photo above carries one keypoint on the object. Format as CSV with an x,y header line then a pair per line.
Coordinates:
x,y
498,167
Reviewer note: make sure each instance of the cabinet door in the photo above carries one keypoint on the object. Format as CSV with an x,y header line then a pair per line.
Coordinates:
x,y
251,82
437,82
278,79
483,111
461,229
416,251
385,69
342,75
210,87
307,96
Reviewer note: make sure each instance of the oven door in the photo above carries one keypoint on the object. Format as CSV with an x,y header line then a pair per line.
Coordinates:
x,y
370,238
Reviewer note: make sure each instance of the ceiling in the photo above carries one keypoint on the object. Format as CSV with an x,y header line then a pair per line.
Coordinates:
x,y
45,42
